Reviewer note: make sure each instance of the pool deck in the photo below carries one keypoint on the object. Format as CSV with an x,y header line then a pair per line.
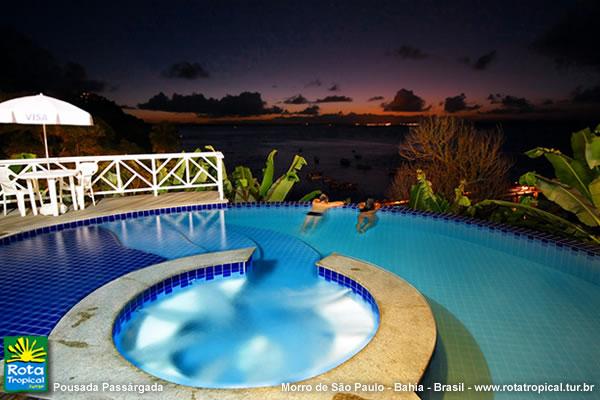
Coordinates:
x,y
14,223
82,349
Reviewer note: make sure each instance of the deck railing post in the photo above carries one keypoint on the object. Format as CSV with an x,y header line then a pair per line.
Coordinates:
x,y
154,179
220,177
187,170
119,180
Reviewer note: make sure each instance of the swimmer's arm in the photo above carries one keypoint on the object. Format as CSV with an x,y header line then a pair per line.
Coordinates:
x,y
336,203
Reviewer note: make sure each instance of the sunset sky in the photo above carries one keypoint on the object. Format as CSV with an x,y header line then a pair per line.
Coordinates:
x,y
464,57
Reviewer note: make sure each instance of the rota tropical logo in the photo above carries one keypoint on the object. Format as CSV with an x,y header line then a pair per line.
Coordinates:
x,y
25,363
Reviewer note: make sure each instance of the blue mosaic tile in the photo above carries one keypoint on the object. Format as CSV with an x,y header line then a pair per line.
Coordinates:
x,y
183,279
333,276
68,265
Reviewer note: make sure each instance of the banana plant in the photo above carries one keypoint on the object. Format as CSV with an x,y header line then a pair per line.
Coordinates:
x,y
576,187
527,214
279,190
423,198
245,187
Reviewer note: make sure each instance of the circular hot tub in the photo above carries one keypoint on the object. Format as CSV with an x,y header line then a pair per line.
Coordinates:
x,y
246,324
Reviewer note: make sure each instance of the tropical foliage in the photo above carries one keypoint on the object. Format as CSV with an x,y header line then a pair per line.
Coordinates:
x,y
422,197
526,213
242,186
576,187
20,156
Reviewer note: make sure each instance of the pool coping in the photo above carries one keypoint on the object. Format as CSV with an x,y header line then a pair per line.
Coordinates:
x,y
82,351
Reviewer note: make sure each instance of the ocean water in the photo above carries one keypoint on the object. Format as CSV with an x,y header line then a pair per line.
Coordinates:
x,y
371,151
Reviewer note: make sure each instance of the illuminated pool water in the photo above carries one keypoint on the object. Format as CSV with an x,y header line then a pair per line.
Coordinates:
x,y
508,309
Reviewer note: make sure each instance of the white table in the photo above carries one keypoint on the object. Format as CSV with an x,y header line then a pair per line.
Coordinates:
x,y
51,176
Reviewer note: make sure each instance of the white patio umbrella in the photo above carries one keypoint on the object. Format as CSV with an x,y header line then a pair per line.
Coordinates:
x,y
43,110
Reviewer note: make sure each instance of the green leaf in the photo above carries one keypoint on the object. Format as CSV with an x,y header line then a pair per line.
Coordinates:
x,y
22,156
570,200
419,191
528,178
460,199
592,150
180,173
18,168
245,185
595,191
554,220
310,196
537,152
528,201
571,172
282,186
578,144
268,172
422,196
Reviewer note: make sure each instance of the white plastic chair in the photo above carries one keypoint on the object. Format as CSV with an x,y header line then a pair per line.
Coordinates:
x,y
10,188
84,186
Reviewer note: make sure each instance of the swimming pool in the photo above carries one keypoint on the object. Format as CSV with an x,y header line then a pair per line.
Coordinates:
x,y
508,309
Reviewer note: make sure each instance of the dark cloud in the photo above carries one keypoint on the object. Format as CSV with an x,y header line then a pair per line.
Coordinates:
x,y
458,103
311,110
376,98
27,67
185,70
482,62
245,104
334,99
589,95
510,104
407,52
405,100
297,99
76,77
314,83
334,88
574,39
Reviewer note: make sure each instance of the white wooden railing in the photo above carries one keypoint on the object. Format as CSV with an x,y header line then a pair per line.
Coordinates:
x,y
121,174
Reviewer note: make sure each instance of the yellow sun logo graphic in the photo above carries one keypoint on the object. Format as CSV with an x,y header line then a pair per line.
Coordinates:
x,y
26,352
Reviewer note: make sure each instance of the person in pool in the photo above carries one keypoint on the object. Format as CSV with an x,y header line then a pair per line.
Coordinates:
x,y
320,206
367,213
